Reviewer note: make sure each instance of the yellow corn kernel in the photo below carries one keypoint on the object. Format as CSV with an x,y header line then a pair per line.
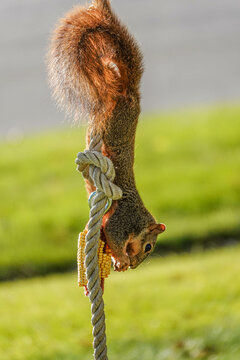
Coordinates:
x,y
82,280
104,260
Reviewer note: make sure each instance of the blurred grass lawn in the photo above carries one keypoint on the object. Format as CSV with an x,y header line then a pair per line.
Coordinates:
x,y
178,308
187,171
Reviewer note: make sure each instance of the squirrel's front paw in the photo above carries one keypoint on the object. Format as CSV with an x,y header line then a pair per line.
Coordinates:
x,y
121,264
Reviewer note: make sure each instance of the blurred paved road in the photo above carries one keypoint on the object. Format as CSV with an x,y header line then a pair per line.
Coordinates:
x,y
191,49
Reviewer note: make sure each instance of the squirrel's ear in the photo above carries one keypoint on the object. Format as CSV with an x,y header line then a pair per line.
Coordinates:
x,y
157,228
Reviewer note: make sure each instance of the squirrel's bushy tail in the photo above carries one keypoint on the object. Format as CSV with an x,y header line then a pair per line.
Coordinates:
x,y
92,61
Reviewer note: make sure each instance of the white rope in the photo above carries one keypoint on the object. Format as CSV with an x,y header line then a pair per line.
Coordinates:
x,y
102,173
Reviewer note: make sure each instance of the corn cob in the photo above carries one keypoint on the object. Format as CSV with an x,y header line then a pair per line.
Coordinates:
x,y
104,260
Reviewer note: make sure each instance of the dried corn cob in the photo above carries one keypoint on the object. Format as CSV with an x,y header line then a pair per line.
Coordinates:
x,y
104,260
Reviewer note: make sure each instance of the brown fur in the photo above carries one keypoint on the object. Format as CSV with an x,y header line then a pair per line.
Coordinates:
x,y
95,67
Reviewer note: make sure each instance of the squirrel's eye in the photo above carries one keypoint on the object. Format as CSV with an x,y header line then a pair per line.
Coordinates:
x,y
148,247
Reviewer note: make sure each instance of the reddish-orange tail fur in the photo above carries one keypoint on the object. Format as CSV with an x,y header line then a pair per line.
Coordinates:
x,y
92,62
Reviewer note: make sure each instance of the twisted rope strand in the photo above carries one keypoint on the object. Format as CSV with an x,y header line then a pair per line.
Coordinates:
x,y
102,173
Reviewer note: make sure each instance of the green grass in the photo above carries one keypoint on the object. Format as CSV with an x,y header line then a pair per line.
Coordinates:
x,y
187,171
177,308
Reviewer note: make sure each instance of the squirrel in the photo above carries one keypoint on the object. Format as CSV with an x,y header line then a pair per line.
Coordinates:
x,y
95,67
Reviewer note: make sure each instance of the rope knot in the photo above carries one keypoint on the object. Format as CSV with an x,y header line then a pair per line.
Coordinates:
x,y
101,171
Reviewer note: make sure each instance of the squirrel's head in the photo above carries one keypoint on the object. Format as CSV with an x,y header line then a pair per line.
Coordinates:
x,y
141,246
